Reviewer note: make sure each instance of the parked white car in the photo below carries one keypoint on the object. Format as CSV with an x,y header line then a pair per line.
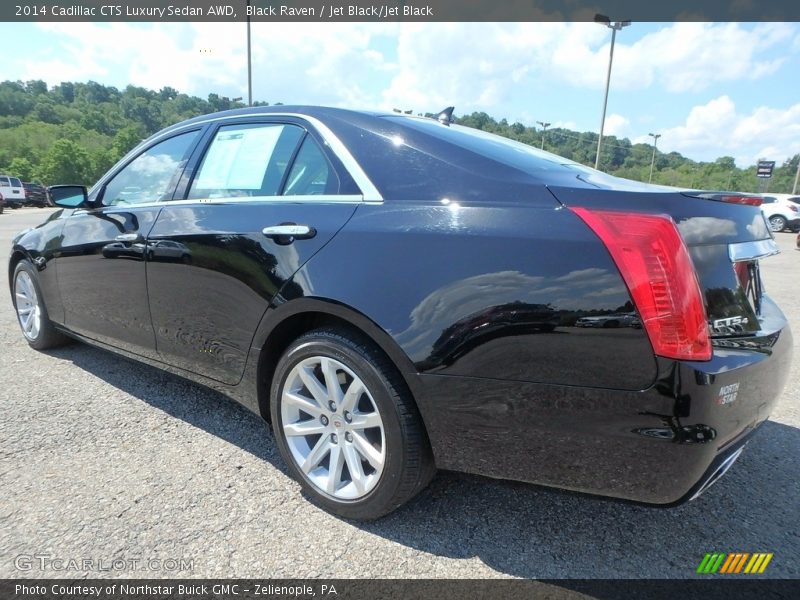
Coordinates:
x,y
782,211
12,191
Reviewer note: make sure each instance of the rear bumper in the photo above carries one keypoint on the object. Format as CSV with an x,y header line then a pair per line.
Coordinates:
x,y
793,224
657,446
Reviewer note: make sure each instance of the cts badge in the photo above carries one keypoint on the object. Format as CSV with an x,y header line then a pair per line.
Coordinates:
x,y
729,322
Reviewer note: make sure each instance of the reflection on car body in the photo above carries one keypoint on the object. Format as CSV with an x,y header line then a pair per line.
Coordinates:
x,y
610,321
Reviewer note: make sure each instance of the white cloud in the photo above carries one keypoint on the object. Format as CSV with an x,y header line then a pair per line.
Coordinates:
x,y
617,125
681,57
566,125
481,64
717,128
186,56
292,62
476,66
693,56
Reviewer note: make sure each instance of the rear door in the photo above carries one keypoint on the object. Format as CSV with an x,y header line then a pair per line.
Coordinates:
x,y
212,270
101,262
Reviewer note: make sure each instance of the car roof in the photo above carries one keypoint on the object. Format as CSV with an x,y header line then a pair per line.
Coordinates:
x,y
318,112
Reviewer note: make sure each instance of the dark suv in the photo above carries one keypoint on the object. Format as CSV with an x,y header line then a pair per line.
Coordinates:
x,y
35,194
396,294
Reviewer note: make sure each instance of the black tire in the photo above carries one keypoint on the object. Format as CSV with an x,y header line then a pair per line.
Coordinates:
x,y
48,336
408,466
777,223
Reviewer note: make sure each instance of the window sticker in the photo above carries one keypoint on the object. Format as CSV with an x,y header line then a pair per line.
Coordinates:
x,y
237,160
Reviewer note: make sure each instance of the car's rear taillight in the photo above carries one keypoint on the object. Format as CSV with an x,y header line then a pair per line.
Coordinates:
x,y
729,197
655,264
792,208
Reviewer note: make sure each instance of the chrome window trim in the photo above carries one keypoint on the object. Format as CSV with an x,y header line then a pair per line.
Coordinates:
x,y
316,199
369,192
744,251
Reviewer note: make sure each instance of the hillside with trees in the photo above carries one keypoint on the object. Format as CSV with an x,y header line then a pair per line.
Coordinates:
x,y
73,132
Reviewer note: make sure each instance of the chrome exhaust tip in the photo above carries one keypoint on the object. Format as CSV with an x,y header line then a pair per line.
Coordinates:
x,y
721,469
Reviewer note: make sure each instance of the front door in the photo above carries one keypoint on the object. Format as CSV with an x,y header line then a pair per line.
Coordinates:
x,y
101,262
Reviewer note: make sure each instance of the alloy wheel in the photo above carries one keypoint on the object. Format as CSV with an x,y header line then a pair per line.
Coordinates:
x,y
777,223
28,310
333,428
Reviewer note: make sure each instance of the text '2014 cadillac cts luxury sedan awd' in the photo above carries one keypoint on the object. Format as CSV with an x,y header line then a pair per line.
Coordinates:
x,y
396,294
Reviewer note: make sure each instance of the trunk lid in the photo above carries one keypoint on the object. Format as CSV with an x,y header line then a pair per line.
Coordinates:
x,y
725,239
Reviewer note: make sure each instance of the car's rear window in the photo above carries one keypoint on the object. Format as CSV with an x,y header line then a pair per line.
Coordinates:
x,y
15,182
516,154
421,159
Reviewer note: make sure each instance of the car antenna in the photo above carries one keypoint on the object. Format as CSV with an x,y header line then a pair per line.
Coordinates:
x,y
446,116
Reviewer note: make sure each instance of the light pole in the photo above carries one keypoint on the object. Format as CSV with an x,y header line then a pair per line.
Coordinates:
x,y
544,129
615,27
249,61
655,137
796,177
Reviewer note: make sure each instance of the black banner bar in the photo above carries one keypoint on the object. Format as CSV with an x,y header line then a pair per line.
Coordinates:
x,y
711,588
398,10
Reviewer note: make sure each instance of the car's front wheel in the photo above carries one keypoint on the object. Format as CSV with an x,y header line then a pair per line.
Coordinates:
x,y
347,426
31,311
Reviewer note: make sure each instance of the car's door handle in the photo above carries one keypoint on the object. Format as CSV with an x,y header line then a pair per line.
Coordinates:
x,y
129,237
285,231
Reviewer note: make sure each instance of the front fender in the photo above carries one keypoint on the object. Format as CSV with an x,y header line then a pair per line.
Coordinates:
x,y
40,245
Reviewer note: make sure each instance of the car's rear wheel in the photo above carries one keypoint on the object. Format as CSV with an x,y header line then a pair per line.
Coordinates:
x,y
31,311
777,223
347,426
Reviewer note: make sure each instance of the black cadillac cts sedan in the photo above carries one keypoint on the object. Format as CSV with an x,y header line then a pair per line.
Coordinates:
x,y
398,294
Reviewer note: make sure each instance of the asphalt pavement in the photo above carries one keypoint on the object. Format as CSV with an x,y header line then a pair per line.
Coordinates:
x,y
147,475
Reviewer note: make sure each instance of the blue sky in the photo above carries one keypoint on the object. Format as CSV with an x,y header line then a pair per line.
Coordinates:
x,y
710,89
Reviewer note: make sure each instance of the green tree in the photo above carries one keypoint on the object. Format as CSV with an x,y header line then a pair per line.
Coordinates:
x,y
20,167
65,162
125,141
105,123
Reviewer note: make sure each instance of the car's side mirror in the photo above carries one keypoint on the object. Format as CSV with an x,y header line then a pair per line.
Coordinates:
x,y
69,196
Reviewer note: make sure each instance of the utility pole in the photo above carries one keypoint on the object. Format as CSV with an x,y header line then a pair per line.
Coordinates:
x,y
615,27
544,129
796,177
249,61
655,137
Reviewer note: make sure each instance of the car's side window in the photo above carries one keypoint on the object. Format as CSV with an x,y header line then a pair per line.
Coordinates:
x,y
151,176
246,160
311,173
